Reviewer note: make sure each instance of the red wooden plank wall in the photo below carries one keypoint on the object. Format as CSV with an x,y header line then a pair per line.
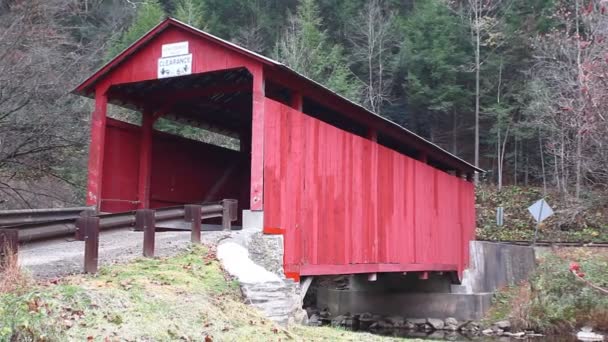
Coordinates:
x,y
349,205
120,167
183,170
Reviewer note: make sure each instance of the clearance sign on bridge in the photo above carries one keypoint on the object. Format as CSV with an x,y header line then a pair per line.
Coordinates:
x,y
175,60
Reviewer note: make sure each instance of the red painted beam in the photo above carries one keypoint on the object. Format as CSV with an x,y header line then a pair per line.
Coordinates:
x,y
96,148
257,143
306,270
273,231
297,101
145,160
157,98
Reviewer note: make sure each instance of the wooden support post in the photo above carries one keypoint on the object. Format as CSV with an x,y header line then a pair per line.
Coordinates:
x,y
423,275
80,223
91,244
372,135
9,246
229,213
256,201
96,148
226,222
192,214
422,156
145,160
297,101
146,222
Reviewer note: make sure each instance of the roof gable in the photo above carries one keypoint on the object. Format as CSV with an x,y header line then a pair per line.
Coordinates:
x,y
175,30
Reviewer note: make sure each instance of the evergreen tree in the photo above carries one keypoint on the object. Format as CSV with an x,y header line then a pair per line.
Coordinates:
x,y
190,12
306,48
436,55
148,15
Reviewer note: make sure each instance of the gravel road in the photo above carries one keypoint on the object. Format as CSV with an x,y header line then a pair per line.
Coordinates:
x,y
60,257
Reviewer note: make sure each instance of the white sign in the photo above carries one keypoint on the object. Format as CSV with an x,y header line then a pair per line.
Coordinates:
x,y
540,210
175,66
175,49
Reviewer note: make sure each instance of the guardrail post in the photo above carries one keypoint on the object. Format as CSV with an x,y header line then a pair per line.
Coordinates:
x,y
228,213
193,214
9,244
80,223
145,220
91,243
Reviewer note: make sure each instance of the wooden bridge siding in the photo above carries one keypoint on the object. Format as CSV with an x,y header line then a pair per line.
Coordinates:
x,y
120,167
183,170
344,200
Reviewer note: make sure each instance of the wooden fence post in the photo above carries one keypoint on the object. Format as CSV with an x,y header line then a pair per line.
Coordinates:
x,y
193,214
229,212
91,243
9,244
145,220
80,223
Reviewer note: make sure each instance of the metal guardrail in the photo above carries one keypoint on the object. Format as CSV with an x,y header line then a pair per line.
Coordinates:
x,y
17,217
553,243
38,224
88,224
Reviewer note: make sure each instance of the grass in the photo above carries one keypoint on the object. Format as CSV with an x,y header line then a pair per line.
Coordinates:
x,y
187,297
553,300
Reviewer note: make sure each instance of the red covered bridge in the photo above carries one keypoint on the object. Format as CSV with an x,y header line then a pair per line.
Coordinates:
x,y
350,191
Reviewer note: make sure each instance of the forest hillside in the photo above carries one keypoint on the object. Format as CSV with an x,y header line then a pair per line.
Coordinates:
x,y
517,87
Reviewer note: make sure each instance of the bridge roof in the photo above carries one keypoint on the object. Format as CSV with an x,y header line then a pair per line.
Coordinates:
x,y
354,111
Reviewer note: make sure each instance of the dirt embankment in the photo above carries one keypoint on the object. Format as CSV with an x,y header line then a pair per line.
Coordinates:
x,y
186,297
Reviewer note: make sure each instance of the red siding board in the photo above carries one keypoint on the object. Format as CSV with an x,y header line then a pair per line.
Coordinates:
x,y
349,205
183,171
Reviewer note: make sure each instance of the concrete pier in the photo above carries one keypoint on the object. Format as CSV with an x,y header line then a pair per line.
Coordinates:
x,y
492,266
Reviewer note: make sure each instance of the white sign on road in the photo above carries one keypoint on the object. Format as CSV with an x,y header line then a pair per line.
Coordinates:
x,y
175,49
540,210
175,66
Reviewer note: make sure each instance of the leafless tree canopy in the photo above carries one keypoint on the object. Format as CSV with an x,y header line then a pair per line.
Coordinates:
x,y
43,129
571,73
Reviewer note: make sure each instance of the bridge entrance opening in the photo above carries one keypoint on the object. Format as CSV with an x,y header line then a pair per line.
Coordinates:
x,y
193,144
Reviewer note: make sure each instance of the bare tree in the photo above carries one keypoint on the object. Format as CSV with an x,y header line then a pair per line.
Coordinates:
x,y
42,128
482,22
572,68
372,36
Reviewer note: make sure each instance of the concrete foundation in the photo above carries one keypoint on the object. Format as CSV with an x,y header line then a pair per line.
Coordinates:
x,y
495,265
255,260
410,305
492,266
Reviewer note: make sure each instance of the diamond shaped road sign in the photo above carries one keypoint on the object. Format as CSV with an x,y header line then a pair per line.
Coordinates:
x,y
540,210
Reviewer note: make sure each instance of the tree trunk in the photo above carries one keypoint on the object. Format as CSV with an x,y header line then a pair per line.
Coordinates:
x,y
477,67
515,162
579,147
454,133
